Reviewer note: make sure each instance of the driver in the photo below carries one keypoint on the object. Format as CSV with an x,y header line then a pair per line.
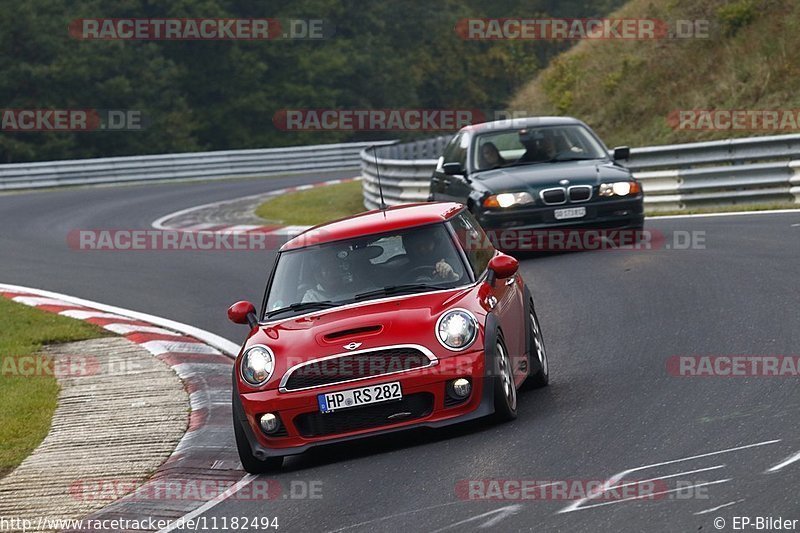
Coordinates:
x,y
329,277
421,250
541,149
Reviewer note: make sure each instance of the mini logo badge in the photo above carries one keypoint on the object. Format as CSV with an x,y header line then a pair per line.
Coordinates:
x,y
351,346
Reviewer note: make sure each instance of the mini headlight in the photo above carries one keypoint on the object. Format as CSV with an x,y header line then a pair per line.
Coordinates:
x,y
258,363
508,199
619,188
456,329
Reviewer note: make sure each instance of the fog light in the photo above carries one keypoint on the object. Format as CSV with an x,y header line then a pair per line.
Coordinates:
x,y
269,423
461,388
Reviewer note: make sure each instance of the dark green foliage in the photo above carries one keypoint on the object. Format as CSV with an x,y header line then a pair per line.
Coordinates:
x,y
223,94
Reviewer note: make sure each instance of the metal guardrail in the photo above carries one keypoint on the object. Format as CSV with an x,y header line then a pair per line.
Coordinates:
x,y
188,166
674,177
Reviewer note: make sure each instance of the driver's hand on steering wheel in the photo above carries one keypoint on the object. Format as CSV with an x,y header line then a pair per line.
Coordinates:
x,y
444,270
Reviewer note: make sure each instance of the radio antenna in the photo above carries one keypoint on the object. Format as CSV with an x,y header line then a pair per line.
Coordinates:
x,y
378,175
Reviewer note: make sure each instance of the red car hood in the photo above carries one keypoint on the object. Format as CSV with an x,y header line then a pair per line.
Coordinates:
x,y
407,319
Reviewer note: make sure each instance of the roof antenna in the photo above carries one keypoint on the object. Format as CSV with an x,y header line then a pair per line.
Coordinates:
x,y
378,174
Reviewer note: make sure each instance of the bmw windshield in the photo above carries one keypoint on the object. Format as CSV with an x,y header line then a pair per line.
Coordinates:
x,y
373,266
532,145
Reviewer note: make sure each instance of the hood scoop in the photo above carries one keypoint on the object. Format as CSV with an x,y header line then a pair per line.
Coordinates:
x,y
338,336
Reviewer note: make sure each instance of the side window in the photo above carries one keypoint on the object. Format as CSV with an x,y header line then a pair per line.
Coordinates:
x,y
474,241
456,150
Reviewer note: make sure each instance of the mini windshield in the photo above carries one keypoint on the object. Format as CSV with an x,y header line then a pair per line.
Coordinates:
x,y
530,145
373,266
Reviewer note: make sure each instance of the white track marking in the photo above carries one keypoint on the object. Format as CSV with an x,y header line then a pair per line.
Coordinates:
x,y
126,329
717,508
717,482
396,515
241,228
35,301
665,477
83,315
731,214
162,347
227,347
576,506
502,513
787,462
246,480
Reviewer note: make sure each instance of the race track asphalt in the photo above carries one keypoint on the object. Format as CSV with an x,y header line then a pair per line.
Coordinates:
x,y
611,319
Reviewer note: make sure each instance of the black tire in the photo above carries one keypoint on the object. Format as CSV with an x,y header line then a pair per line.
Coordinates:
x,y
537,355
249,461
505,392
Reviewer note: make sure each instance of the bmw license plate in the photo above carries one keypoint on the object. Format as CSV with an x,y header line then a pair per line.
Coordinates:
x,y
570,212
346,399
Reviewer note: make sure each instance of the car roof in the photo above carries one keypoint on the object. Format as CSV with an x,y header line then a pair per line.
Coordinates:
x,y
377,221
523,122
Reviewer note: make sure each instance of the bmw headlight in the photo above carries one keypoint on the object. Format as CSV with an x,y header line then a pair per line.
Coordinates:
x,y
508,199
456,329
619,188
258,363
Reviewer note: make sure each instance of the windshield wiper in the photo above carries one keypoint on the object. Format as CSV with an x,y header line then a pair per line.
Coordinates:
x,y
398,289
325,304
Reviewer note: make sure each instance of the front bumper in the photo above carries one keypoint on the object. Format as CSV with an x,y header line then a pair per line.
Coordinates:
x,y
600,214
301,420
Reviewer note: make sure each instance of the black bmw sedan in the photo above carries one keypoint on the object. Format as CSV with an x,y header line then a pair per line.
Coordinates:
x,y
538,173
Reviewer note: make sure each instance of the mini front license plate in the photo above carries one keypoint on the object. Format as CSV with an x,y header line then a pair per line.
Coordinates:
x,y
345,399
570,212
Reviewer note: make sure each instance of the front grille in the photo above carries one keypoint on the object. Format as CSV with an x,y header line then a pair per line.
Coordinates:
x,y
411,407
580,193
554,196
349,367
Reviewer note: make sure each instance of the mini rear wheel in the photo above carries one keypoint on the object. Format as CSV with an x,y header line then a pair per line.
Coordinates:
x,y
537,358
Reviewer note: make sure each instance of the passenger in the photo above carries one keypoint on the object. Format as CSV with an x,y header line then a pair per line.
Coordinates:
x,y
490,157
421,249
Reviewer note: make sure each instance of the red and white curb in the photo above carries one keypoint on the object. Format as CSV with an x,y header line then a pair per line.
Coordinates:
x,y
202,360
177,220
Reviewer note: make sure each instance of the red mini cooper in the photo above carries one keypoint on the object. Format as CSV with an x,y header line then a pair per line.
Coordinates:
x,y
387,320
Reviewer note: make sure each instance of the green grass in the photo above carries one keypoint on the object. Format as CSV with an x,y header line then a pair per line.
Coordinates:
x,y
27,402
314,206
627,89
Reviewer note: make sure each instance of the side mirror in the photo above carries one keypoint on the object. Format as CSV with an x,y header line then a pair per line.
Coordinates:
x,y
243,313
622,153
502,266
452,169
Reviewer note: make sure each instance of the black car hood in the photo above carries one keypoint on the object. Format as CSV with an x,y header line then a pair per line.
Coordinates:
x,y
540,175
